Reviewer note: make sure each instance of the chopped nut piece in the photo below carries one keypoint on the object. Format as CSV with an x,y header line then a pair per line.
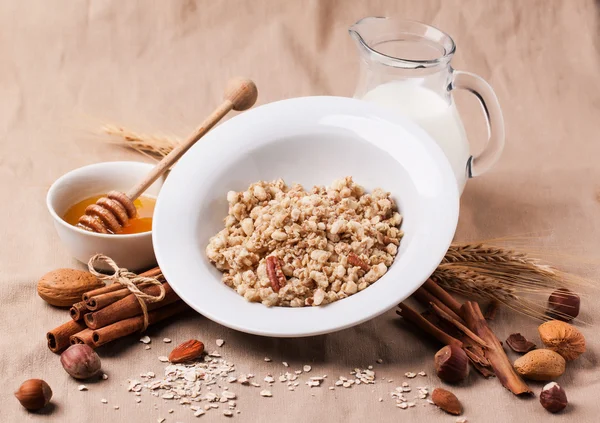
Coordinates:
x,y
220,342
266,393
518,343
379,361
285,364
228,413
199,413
163,358
267,359
306,368
147,347
82,388
104,376
145,339
166,340
410,375
116,407
104,401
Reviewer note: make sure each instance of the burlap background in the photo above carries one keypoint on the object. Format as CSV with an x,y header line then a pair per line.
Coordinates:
x,y
67,66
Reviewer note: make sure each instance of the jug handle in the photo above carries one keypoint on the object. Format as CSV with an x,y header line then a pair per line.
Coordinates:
x,y
492,150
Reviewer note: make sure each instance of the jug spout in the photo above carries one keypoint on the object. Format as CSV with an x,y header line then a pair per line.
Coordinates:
x,y
401,43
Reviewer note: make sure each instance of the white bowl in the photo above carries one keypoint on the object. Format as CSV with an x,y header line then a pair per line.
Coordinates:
x,y
312,140
132,251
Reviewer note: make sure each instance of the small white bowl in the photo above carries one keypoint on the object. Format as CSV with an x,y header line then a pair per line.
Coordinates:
x,y
132,251
312,141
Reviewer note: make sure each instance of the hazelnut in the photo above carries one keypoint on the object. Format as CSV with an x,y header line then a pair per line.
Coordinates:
x,y
80,361
451,364
563,338
553,398
563,304
34,394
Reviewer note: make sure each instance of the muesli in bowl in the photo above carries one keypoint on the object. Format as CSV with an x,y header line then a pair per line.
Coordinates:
x,y
284,246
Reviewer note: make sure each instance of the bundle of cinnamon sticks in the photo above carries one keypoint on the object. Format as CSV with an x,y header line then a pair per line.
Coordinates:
x,y
465,326
112,312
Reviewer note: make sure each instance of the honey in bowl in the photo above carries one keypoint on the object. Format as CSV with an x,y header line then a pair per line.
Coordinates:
x,y
142,222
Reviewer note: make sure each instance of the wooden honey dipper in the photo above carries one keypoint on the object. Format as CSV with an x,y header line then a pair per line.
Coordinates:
x,y
111,213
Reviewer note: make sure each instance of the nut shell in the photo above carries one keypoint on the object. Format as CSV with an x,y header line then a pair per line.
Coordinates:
x,y
553,398
540,364
34,394
563,338
64,287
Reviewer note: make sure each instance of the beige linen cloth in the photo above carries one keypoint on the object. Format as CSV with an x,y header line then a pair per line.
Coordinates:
x,y
66,67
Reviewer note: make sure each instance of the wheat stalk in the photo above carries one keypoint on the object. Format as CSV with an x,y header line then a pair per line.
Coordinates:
x,y
514,279
153,146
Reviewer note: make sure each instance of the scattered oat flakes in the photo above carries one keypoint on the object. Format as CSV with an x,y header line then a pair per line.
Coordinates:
x,y
228,395
163,358
257,385
269,379
306,368
410,375
160,420
266,393
331,388
405,384
104,376
430,401
145,339
379,361
167,340
199,412
285,363
411,404
298,372
104,401
220,342
422,373
82,388
116,407
147,347
228,413
461,420
267,359
283,378
402,405
138,400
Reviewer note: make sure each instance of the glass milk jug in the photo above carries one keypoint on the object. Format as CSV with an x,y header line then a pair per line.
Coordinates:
x,y
405,66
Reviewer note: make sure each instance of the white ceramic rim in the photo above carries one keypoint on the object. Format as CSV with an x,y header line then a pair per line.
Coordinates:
x,y
73,174
358,307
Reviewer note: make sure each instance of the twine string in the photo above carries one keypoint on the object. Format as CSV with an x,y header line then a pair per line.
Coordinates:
x,y
128,280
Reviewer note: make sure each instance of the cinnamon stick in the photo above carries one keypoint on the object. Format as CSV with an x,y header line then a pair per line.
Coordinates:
x,y
78,310
422,323
152,273
473,350
425,298
128,307
83,337
98,301
502,366
58,338
458,325
135,324
444,297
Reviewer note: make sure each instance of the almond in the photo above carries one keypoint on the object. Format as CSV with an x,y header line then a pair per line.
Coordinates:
x,y
64,287
447,401
187,351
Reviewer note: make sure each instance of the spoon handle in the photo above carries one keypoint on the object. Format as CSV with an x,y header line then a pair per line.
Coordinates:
x,y
240,94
